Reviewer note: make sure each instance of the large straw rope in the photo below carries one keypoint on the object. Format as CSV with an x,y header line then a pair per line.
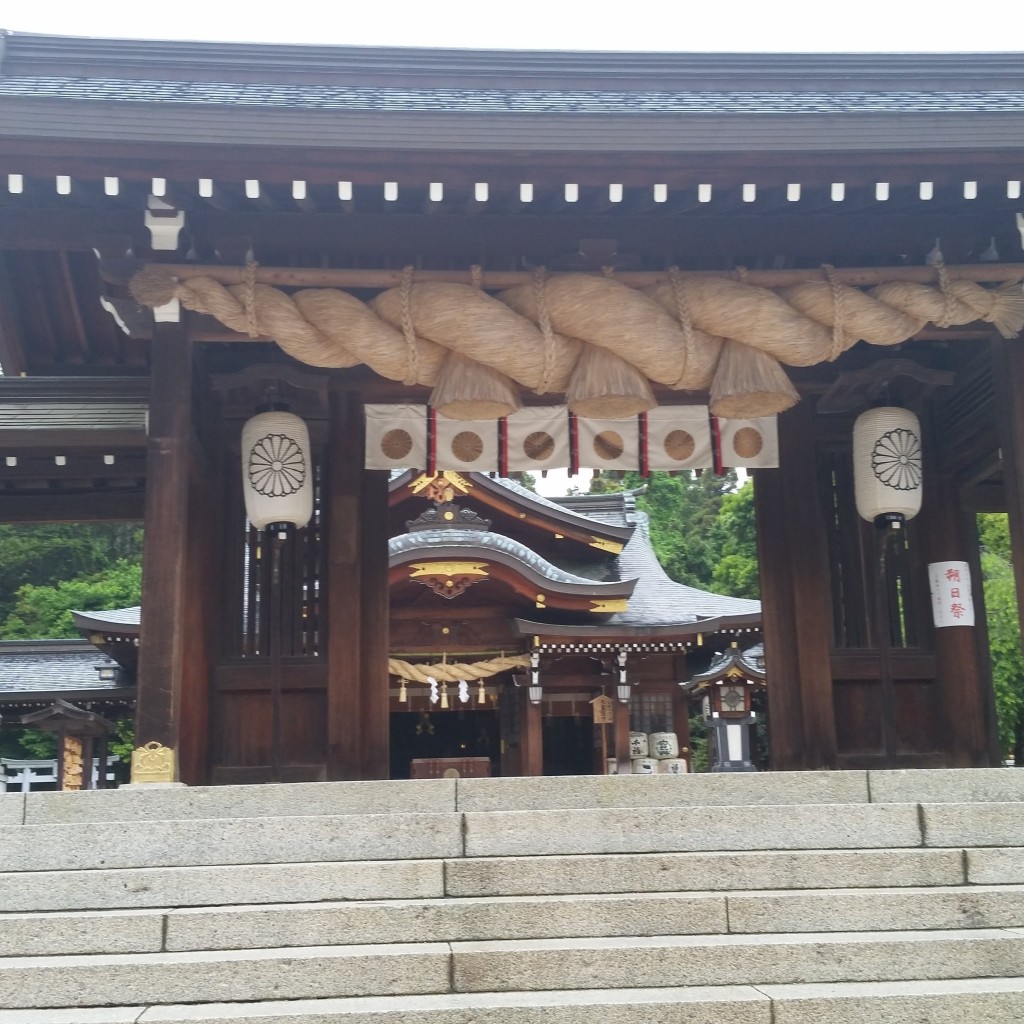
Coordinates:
x,y
672,332
454,672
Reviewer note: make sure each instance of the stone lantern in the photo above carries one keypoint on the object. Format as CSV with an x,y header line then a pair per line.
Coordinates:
x,y
726,689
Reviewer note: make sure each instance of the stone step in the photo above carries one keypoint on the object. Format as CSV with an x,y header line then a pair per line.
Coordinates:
x,y
437,796
988,1000
27,891
511,967
721,1005
302,799
508,833
679,829
231,841
311,972
231,885
754,869
680,961
506,918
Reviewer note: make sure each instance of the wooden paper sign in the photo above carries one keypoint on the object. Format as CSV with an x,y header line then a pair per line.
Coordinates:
x,y
603,710
952,602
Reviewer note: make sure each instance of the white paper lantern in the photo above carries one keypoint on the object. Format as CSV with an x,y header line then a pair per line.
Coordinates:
x,y
277,474
887,465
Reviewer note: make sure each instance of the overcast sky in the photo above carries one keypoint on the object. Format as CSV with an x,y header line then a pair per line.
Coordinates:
x,y
738,25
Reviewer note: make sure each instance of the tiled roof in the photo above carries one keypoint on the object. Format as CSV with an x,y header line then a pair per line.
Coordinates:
x,y
427,541
38,666
520,101
112,616
658,600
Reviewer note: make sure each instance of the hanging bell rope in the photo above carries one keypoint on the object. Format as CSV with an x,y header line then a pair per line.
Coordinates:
x,y
456,671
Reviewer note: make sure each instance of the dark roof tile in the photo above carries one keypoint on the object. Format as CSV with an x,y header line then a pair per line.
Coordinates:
x,y
521,101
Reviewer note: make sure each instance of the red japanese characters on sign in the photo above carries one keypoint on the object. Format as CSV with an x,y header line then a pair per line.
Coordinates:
x,y
952,604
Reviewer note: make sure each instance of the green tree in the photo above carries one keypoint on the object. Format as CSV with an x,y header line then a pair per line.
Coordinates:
x,y
735,538
702,527
42,612
46,554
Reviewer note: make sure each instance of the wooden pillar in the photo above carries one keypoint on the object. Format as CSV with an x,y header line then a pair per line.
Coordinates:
x,y
163,644
681,709
357,603
532,742
204,584
793,554
374,610
963,677
344,581
621,731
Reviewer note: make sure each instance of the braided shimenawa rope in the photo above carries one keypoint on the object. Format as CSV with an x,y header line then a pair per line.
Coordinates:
x,y
838,334
412,367
249,299
947,295
685,321
544,324
446,672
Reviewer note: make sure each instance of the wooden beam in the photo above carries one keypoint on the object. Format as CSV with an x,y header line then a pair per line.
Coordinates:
x,y
98,507
163,644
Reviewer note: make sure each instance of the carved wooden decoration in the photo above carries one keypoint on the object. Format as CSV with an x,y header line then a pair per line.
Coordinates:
x,y
72,764
448,579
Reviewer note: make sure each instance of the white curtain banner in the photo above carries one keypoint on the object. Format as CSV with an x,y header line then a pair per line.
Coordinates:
x,y
465,445
750,444
609,444
538,438
679,437
396,437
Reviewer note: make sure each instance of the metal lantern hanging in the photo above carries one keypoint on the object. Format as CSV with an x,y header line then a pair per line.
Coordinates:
x,y
623,689
887,465
536,691
277,475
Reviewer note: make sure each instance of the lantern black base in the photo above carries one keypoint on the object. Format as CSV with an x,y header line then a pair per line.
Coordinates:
x,y
890,520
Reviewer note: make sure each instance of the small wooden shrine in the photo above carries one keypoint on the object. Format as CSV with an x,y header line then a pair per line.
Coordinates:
x,y
623,260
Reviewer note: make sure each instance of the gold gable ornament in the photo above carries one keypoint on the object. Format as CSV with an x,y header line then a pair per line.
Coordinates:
x,y
153,762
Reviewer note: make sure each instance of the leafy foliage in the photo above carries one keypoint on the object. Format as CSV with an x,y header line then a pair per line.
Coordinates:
x,y
45,611
702,527
47,554
1003,631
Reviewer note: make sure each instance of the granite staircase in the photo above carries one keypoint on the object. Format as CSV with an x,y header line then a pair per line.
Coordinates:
x,y
847,897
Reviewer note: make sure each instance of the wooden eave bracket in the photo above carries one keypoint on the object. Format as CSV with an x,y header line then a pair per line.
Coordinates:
x,y
857,388
164,223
